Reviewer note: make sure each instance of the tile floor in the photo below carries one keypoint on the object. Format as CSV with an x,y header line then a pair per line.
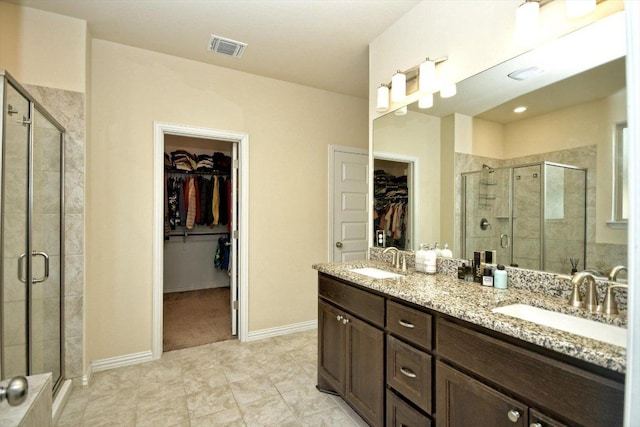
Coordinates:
x,y
261,383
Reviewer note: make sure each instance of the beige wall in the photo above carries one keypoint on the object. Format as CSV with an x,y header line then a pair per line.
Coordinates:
x,y
43,49
289,127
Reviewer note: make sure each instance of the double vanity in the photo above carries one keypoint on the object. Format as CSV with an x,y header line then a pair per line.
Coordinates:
x,y
409,349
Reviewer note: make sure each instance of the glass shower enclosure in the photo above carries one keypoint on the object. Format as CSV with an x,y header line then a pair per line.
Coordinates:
x,y
31,236
533,215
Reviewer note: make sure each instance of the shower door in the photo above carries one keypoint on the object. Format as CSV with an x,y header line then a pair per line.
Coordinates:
x,y
31,210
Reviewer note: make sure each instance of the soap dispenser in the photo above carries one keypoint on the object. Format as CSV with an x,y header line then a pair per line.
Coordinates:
x,y
431,261
437,250
500,279
446,252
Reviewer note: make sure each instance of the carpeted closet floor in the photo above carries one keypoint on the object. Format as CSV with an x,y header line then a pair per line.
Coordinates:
x,y
195,318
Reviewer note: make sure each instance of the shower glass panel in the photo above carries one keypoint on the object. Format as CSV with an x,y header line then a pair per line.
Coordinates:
x,y
527,200
564,217
15,166
31,238
533,215
46,310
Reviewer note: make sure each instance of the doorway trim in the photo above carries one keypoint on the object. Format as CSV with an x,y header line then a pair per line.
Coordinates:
x,y
160,129
330,217
413,180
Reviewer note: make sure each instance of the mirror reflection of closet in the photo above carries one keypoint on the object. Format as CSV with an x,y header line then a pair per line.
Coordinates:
x,y
391,186
197,280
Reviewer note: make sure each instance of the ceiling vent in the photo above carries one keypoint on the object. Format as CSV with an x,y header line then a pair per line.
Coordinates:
x,y
226,47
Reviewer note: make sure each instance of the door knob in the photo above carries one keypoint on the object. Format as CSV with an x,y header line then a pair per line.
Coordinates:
x,y
338,244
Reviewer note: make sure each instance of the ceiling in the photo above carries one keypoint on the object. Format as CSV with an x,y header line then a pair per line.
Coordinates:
x,y
318,43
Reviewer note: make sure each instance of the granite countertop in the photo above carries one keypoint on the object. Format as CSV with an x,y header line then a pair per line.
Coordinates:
x,y
473,302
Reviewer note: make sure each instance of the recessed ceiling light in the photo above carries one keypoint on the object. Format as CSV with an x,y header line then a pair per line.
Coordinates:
x,y
520,109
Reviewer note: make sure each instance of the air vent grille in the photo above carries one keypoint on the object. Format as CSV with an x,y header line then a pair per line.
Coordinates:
x,y
226,46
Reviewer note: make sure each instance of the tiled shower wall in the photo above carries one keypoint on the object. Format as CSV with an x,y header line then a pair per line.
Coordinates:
x,y
68,109
600,256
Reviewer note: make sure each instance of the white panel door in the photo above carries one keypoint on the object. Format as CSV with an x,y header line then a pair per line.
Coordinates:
x,y
234,241
350,206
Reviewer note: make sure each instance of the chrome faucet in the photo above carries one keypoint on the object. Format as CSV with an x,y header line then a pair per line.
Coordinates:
x,y
395,259
591,293
613,275
609,306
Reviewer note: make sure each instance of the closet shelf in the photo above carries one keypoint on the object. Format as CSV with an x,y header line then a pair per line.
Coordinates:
x,y
188,234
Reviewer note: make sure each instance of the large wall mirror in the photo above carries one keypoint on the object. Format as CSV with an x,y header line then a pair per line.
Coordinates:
x,y
543,187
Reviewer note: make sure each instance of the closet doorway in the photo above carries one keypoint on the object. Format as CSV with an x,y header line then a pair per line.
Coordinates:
x,y
198,261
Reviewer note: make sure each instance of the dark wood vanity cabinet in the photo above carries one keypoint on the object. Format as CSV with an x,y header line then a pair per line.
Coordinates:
x,y
351,350
397,364
507,375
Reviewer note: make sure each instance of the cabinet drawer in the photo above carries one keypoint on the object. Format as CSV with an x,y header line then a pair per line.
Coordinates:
x,y
366,305
411,324
576,394
537,419
400,413
409,372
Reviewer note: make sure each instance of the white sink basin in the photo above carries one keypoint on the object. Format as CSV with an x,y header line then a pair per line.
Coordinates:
x,y
375,273
587,328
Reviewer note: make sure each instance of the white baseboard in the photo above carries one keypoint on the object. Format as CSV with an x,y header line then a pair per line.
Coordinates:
x,y
281,330
86,378
120,361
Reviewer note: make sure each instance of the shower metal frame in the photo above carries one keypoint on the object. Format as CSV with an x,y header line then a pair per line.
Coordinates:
x,y
7,79
543,183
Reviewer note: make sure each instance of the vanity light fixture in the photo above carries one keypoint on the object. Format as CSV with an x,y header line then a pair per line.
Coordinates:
x,y
398,86
382,98
420,78
520,109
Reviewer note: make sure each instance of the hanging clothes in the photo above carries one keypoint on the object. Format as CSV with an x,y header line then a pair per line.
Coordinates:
x,y
215,207
223,253
191,206
222,208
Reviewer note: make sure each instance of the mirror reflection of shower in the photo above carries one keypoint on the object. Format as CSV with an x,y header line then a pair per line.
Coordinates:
x,y
536,212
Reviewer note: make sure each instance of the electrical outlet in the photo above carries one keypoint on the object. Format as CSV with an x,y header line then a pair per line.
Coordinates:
x,y
380,238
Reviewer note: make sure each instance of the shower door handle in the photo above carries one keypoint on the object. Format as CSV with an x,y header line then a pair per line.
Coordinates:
x,y
46,267
504,241
20,269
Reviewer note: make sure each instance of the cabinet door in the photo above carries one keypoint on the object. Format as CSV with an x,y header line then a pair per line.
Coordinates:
x,y
536,419
331,347
462,401
365,370
401,414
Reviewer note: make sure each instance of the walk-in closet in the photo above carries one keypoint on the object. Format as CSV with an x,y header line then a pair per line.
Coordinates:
x,y
200,209
391,203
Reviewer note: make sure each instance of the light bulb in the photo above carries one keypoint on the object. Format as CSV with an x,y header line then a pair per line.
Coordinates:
x,y
401,111
427,76
382,99
527,22
448,90
425,101
577,8
398,87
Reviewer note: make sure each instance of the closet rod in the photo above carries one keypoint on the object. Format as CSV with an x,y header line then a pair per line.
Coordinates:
x,y
196,172
187,234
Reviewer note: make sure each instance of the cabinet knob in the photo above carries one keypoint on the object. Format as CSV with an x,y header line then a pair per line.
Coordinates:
x,y
345,321
513,415
535,425
338,318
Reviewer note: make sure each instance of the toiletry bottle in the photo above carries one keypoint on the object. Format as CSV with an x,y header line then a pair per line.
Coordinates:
x,y
431,261
437,250
462,270
500,278
421,259
446,252
469,272
487,277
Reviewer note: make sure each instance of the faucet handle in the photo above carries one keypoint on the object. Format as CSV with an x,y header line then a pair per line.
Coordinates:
x,y
591,296
609,305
